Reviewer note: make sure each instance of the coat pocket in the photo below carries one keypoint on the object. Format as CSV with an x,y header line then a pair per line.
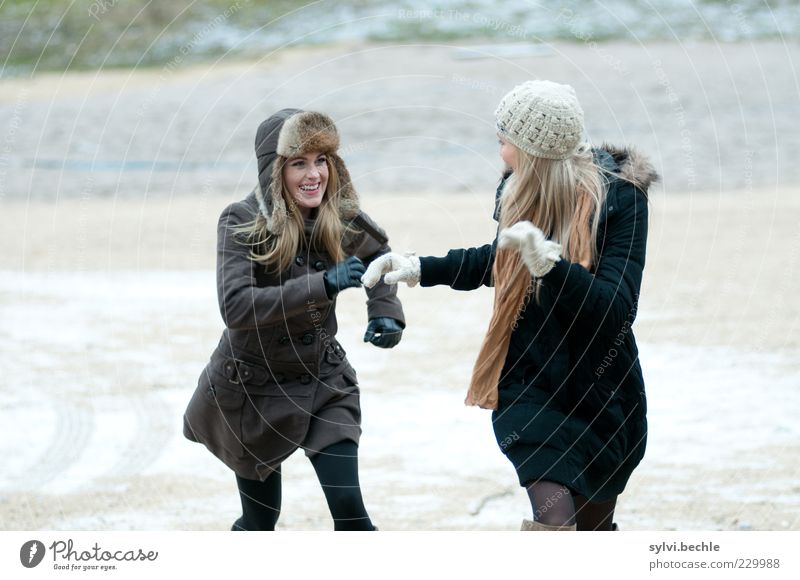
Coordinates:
x,y
274,426
350,376
610,422
214,418
601,404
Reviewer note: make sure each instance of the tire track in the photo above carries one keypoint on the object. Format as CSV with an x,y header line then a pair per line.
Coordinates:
x,y
152,432
75,424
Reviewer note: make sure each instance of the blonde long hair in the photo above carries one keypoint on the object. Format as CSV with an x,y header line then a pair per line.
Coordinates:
x,y
277,252
563,199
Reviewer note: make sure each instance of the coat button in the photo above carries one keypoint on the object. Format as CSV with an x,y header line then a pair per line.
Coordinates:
x,y
245,373
319,265
284,340
305,379
230,372
299,260
307,339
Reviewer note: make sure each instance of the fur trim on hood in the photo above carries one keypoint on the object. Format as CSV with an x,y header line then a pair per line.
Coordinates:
x,y
632,166
289,133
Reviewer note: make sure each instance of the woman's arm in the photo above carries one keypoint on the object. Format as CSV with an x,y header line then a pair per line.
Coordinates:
x,y
382,298
463,269
608,298
243,304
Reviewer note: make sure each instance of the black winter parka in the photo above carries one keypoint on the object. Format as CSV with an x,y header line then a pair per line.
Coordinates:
x,y
572,406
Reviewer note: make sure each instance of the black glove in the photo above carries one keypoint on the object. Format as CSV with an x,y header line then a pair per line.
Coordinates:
x,y
346,274
384,332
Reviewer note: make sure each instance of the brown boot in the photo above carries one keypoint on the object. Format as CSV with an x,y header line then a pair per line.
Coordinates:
x,y
534,526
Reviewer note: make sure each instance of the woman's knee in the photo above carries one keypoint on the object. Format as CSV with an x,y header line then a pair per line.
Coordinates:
x,y
551,502
346,502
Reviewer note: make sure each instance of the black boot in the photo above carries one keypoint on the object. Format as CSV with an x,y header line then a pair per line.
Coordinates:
x,y
238,525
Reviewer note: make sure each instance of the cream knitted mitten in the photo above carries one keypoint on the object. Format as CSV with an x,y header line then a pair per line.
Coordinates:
x,y
538,253
396,267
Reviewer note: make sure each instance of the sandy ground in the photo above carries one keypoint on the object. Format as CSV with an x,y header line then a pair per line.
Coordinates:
x,y
107,327
109,312
414,117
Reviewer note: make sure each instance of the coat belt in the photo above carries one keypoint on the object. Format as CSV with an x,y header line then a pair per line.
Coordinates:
x,y
240,372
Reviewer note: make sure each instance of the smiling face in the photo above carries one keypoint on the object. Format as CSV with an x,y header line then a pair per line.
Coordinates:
x,y
508,152
306,177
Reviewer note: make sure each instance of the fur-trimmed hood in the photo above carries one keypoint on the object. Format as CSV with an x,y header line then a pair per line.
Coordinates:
x,y
288,133
630,164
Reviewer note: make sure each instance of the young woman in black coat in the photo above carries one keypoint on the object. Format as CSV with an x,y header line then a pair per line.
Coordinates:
x,y
559,364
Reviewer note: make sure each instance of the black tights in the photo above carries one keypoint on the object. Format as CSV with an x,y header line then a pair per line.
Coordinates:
x,y
337,471
553,504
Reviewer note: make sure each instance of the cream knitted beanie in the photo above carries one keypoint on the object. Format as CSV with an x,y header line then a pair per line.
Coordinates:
x,y
542,118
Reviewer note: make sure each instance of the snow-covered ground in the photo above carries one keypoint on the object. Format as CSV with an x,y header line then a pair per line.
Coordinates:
x,y
100,366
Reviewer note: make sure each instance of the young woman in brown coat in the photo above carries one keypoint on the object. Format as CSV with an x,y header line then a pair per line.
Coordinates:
x,y
279,380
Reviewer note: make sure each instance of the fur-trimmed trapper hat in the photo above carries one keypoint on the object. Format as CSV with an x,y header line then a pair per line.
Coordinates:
x,y
287,134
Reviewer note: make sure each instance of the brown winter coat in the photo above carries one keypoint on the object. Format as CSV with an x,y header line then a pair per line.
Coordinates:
x,y
278,379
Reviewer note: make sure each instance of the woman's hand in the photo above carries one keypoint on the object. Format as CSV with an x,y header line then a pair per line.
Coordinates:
x,y
384,332
345,274
537,252
396,267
